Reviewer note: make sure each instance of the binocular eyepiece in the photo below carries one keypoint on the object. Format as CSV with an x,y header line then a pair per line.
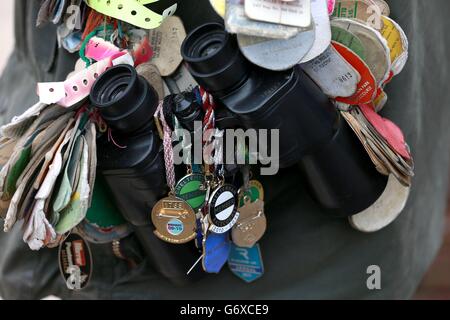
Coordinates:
x,y
214,58
125,100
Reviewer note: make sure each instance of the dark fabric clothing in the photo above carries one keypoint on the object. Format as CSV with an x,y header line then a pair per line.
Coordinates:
x,y
307,254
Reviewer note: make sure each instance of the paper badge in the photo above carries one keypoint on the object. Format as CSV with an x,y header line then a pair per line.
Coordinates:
x,y
397,43
333,74
365,11
385,210
166,42
349,40
376,47
323,30
367,86
246,263
292,13
236,21
276,54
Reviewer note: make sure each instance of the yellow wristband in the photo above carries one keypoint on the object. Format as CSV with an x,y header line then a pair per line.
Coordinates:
x,y
132,11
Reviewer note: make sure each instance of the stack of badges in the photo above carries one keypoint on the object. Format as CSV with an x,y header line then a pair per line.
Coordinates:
x,y
48,178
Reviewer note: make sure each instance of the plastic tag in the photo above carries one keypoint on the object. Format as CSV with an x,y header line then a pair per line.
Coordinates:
x,y
216,250
246,263
292,13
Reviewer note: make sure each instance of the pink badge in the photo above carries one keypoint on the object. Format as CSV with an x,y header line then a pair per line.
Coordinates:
x,y
331,4
143,53
388,130
99,49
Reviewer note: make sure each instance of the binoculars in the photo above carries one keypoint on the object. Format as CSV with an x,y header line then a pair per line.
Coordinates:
x,y
313,136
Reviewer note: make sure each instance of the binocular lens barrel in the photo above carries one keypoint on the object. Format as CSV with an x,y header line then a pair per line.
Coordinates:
x,y
214,59
126,101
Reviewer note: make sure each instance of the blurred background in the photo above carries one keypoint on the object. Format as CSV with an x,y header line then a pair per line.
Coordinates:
x,y
436,284
6,30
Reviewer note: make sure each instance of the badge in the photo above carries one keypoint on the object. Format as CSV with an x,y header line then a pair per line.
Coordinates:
x,y
362,10
385,210
223,213
255,191
291,13
333,74
246,263
367,86
251,225
190,189
75,262
174,220
349,40
166,42
321,19
95,234
219,6
377,50
215,252
397,42
277,54
236,21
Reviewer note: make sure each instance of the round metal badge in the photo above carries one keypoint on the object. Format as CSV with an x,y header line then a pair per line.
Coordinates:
x,y
223,209
174,220
255,191
251,225
75,262
191,190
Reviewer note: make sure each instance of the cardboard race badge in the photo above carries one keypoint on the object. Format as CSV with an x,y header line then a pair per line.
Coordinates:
x,y
350,40
385,210
367,86
321,21
291,13
166,42
366,11
246,263
236,21
397,42
75,262
377,53
333,74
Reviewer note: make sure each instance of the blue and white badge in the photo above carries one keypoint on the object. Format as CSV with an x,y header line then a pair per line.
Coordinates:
x,y
216,251
246,263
